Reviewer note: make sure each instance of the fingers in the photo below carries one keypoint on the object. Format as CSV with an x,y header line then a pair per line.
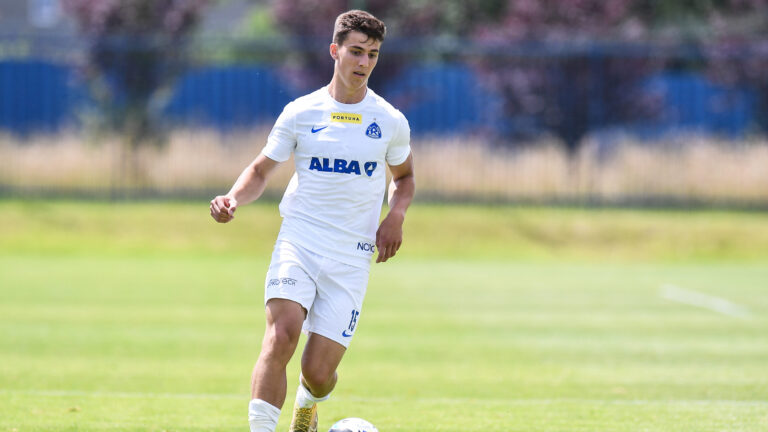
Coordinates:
x,y
223,209
387,251
382,257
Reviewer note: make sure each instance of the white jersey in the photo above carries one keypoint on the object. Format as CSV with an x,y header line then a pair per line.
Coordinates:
x,y
333,202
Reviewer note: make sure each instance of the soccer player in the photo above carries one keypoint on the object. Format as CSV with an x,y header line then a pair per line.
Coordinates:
x,y
342,136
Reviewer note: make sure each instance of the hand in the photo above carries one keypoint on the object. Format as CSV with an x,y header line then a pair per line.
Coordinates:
x,y
389,237
223,208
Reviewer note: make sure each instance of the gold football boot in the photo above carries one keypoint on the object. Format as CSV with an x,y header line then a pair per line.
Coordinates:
x,y
304,419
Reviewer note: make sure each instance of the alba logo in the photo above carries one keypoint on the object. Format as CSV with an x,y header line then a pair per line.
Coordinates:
x,y
346,118
341,166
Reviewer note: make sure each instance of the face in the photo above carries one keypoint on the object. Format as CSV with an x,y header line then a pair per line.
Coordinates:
x,y
355,59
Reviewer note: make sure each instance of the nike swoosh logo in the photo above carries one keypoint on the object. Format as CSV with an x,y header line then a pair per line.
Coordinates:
x,y
318,129
345,334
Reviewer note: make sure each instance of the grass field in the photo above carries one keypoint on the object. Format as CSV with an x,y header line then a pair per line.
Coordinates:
x,y
148,317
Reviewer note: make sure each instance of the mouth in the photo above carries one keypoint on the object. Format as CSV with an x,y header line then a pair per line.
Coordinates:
x,y
359,74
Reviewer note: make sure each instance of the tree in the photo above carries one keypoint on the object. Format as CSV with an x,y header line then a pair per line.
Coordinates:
x,y
136,50
736,49
567,66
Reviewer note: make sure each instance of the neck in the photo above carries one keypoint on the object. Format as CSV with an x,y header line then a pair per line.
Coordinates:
x,y
343,94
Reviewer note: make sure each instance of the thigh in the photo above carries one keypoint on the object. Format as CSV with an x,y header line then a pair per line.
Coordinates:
x,y
283,328
284,316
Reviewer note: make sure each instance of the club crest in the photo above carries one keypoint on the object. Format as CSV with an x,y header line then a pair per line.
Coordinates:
x,y
373,131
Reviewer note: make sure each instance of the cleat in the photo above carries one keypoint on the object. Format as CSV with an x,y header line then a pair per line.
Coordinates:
x,y
304,419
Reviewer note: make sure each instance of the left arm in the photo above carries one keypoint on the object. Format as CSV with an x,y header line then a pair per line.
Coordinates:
x,y
389,236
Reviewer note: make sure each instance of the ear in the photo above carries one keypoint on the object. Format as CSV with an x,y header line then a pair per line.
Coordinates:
x,y
334,50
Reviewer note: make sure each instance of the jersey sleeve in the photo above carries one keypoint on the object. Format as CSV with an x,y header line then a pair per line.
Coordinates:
x,y
282,139
400,146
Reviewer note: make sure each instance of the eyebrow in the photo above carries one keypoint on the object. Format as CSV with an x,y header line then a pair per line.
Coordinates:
x,y
362,48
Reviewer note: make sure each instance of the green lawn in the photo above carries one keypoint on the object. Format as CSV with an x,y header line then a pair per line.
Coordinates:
x,y
148,317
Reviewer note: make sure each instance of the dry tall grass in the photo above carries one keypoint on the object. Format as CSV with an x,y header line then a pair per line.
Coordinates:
x,y
191,160
683,168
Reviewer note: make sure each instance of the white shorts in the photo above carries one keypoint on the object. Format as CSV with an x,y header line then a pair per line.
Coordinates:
x,y
331,292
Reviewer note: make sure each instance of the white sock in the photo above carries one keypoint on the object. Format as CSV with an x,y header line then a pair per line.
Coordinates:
x,y
262,416
304,398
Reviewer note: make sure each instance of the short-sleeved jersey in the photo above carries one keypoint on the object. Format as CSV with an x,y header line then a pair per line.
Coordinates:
x,y
333,202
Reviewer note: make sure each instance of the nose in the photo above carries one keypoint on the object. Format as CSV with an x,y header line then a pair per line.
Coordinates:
x,y
364,60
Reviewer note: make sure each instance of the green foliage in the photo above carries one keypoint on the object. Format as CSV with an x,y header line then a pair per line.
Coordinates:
x,y
256,40
259,24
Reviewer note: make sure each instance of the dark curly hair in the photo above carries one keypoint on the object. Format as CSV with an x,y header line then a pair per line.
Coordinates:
x,y
358,20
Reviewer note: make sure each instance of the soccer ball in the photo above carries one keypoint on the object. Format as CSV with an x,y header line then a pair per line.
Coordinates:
x,y
353,424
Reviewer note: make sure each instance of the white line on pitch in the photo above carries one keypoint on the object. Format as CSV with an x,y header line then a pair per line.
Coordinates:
x,y
706,301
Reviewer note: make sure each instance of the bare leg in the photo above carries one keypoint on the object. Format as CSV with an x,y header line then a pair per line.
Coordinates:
x,y
284,321
318,364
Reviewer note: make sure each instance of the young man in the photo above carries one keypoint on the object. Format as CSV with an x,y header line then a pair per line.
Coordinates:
x,y
341,136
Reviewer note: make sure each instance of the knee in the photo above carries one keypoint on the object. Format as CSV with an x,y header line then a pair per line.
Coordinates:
x,y
317,376
280,341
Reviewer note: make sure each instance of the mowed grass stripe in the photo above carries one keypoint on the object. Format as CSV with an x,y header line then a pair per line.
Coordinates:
x,y
375,399
65,414
167,230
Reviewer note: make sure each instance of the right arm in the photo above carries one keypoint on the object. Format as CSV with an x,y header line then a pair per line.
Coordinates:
x,y
248,187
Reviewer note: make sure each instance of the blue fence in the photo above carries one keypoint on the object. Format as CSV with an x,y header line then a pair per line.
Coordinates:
x,y
38,96
228,97
448,97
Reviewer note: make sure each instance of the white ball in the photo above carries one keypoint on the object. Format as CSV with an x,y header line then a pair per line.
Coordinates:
x,y
353,424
